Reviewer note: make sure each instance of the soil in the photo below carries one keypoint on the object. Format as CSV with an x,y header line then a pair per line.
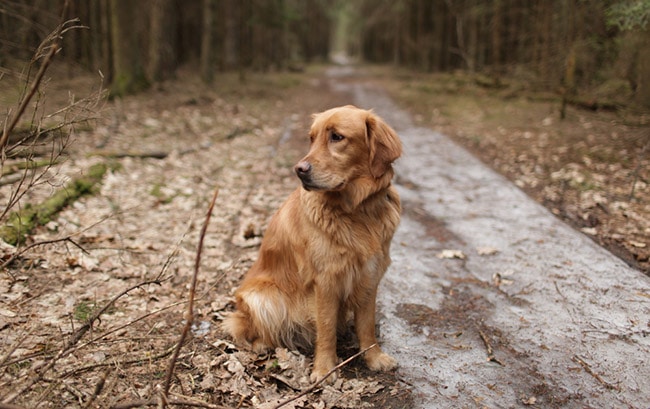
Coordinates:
x,y
169,149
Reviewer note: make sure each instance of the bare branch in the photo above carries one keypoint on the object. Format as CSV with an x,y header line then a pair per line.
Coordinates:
x,y
189,315
25,101
175,401
71,345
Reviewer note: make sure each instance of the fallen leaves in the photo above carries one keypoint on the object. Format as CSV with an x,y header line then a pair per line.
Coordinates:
x,y
141,224
486,251
460,255
502,278
451,254
278,378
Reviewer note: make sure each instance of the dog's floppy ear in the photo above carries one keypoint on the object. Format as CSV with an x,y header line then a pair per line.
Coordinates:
x,y
385,145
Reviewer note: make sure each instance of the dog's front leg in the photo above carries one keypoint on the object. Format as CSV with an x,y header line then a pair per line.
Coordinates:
x,y
327,310
364,323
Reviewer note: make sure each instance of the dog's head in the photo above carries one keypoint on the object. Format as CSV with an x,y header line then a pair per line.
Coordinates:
x,y
348,144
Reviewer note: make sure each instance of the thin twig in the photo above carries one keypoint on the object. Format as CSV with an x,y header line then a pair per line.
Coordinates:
x,y
14,346
140,318
38,244
637,170
10,406
72,341
591,372
160,275
99,387
55,38
189,315
23,104
67,238
89,323
90,367
321,380
490,351
176,401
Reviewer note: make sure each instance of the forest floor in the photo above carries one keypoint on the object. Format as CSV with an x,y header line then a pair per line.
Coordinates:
x,y
170,148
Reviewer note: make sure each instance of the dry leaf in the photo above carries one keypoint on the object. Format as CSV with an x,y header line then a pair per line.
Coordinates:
x,y
589,230
499,278
486,251
447,254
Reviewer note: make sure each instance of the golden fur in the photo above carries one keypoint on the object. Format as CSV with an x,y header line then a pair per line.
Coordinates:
x,y
327,247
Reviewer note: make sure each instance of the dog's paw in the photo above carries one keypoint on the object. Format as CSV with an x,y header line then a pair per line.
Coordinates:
x,y
318,375
381,361
321,370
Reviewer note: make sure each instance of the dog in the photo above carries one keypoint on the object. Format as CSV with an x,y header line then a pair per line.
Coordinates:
x,y
327,247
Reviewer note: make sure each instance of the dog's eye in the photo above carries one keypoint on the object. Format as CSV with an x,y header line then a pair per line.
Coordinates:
x,y
335,137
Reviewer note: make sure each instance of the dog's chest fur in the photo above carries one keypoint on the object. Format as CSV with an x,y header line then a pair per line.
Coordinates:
x,y
352,243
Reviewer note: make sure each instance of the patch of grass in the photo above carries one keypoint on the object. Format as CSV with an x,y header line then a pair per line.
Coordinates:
x,y
84,310
157,192
17,368
272,365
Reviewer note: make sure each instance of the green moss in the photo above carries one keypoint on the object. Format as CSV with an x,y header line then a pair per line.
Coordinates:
x,y
128,84
22,222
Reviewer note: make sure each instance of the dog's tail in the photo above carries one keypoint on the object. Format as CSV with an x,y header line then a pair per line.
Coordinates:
x,y
264,319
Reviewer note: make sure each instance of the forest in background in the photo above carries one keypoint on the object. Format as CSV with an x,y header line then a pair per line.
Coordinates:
x,y
565,47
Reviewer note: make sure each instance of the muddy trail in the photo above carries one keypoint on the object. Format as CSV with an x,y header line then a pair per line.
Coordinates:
x,y
490,301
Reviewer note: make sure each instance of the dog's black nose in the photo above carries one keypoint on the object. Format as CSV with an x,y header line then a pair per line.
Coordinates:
x,y
303,168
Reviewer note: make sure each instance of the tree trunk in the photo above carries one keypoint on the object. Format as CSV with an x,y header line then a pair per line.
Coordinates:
x,y
472,37
438,36
128,71
245,38
162,40
96,39
207,41
231,45
643,70
496,36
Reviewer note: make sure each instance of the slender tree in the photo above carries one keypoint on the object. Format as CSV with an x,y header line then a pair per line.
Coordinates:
x,y
162,40
208,40
128,70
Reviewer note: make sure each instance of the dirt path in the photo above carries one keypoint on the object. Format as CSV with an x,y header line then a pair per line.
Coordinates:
x,y
491,300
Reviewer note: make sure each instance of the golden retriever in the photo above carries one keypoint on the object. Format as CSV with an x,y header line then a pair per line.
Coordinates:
x,y
326,249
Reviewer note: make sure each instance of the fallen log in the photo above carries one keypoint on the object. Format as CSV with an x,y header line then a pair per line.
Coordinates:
x,y
18,166
21,223
138,155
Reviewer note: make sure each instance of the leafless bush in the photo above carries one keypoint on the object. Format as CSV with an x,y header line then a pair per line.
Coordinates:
x,y
29,153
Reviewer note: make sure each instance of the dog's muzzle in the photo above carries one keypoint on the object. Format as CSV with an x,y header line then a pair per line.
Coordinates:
x,y
303,170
